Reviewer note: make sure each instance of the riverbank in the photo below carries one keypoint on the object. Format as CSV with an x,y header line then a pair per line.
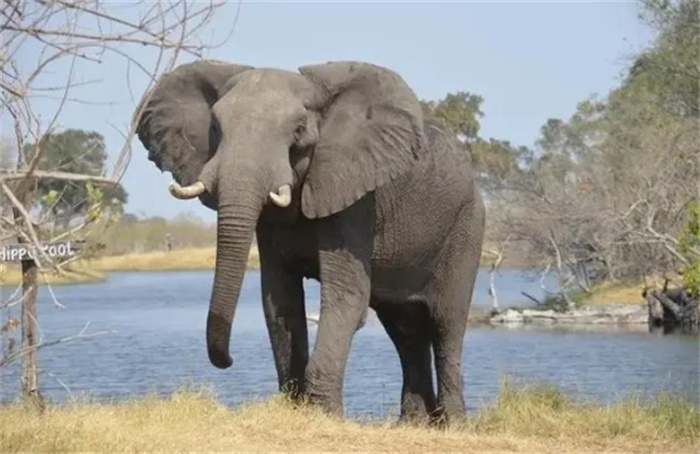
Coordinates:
x,y
93,270
535,419
607,304
609,314
193,259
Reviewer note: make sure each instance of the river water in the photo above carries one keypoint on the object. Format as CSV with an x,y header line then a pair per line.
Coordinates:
x,y
157,345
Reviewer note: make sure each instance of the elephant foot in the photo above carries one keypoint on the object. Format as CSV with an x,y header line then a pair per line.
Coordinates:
x,y
328,399
330,405
414,411
324,390
442,418
414,419
293,390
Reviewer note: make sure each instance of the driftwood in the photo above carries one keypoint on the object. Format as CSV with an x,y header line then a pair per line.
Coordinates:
x,y
673,308
530,297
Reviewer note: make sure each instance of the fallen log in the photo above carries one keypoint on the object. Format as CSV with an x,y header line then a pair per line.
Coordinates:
x,y
673,308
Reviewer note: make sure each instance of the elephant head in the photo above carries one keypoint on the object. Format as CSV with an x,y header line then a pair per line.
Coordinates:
x,y
176,123
245,140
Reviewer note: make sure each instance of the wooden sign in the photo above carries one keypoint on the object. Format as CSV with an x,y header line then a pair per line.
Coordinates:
x,y
21,251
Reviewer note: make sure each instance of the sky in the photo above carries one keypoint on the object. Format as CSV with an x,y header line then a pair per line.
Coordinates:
x,y
530,61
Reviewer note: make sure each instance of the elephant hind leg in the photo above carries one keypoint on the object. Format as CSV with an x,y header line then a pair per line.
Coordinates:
x,y
448,336
406,325
449,300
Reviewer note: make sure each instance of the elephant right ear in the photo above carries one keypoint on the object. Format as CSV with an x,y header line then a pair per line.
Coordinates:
x,y
176,123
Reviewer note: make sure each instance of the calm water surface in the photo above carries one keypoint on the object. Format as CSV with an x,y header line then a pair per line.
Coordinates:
x,y
158,345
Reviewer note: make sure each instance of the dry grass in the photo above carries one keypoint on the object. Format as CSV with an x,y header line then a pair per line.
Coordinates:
x,y
94,270
176,260
523,420
610,293
13,276
615,294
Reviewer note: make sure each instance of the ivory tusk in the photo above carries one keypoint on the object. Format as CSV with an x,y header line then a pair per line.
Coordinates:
x,y
283,196
187,192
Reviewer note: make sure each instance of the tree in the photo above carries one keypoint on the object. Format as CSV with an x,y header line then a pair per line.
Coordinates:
x,y
79,152
8,155
495,160
672,63
610,188
459,111
45,45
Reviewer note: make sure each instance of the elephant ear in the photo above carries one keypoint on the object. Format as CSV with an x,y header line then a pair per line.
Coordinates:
x,y
371,132
176,123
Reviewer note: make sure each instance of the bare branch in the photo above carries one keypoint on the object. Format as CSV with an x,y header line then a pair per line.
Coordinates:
x,y
66,39
56,175
81,335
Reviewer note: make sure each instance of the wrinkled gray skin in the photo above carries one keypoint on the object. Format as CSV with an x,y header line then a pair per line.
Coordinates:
x,y
384,213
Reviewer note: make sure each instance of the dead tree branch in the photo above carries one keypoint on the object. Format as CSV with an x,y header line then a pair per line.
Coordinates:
x,y
498,254
47,46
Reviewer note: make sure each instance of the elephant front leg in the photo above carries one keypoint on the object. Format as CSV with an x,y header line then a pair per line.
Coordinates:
x,y
344,299
285,315
344,264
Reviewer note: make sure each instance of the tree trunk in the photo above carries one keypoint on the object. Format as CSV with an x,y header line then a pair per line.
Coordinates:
x,y
30,376
29,379
495,309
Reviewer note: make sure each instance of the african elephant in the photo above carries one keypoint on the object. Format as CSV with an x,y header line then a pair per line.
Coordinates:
x,y
342,180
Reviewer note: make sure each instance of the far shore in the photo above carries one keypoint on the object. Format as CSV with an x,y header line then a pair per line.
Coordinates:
x,y
95,270
194,259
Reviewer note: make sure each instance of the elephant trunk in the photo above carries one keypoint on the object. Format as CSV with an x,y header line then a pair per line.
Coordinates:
x,y
240,204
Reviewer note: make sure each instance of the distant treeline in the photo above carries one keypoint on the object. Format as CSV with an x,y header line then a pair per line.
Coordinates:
x,y
131,234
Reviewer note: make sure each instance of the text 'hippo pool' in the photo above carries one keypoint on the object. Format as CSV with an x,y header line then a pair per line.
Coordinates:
x,y
18,252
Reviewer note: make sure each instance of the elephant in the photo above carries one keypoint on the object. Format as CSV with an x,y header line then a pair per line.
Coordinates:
x,y
342,180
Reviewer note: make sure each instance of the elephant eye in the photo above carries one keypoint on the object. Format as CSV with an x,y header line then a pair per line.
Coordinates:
x,y
299,130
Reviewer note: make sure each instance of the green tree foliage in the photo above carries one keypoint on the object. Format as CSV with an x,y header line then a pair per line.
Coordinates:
x,y
459,111
74,151
498,161
671,65
689,246
495,160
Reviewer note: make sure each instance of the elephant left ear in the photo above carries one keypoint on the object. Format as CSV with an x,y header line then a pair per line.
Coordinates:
x,y
371,132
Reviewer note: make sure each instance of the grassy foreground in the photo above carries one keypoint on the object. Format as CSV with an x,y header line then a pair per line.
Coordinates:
x,y
522,420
